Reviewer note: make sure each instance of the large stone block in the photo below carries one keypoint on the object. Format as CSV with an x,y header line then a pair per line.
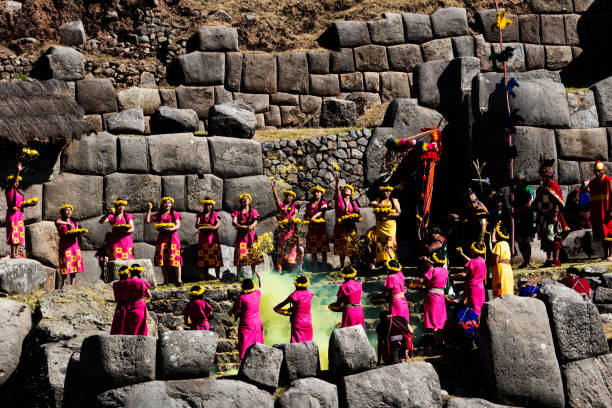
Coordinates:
x,y
233,158
538,142
174,186
261,366
178,153
436,81
258,186
202,187
351,82
571,29
483,52
63,63
553,31
406,116
42,241
529,25
557,57
472,403
582,144
233,71
516,63
258,102
449,22
375,151
345,34
394,85
186,354
535,58
463,46
384,387
72,33
20,276
93,154
404,57
417,27
318,62
371,58
350,351
202,68
83,192
15,323
364,100
310,392
569,172
283,98
272,117
137,189
342,61
172,120
583,111
587,382
293,72
96,95
300,360
202,391
519,354
324,85
217,38
603,99
115,361
485,19
30,214
133,155
198,98
338,113
576,324
235,119
145,98
131,121
259,73
387,31
440,49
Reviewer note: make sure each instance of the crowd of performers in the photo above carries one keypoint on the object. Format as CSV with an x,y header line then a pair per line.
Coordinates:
x,y
486,252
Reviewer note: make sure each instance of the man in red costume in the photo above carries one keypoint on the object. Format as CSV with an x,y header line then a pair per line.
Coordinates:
x,y
601,211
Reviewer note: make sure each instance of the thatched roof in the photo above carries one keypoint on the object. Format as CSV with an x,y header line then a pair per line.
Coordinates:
x,y
40,111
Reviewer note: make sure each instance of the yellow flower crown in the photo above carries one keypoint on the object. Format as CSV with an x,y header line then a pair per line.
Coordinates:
x,y
204,202
136,268
63,207
301,285
349,275
385,188
12,177
250,290
29,153
125,271
241,196
438,260
478,251
119,202
197,292
391,268
348,186
168,198
501,234
289,192
317,188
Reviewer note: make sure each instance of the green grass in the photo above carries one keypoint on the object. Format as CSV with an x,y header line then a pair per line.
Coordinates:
x,y
277,134
576,90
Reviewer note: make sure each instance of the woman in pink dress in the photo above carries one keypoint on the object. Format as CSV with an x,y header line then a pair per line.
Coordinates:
x,y
209,247
120,292
120,242
346,242
300,299
317,241
394,290
435,302
246,307
70,258
137,290
475,271
288,239
246,247
168,245
197,311
349,299
15,231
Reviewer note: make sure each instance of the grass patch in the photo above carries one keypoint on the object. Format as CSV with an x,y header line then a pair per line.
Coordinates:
x,y
276,134
576,90
373,117
211,284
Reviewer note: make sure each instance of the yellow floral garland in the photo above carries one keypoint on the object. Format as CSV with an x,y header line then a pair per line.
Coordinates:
x,y
165,225
501,234
384,210
125,271
204,202
301,285
391,268
136,268
77,231
197,292
317,188
120,202
285,311
246,291
205,227
501,21
287,221
121,226
438,260
385,188
478,251
289,192
63,207
30,202
349,187
336,166
243,195
12,177
350,218
316,221
350,275
29,154
168,198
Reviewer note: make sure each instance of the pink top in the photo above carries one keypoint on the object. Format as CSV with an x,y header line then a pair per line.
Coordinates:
x,y
136,288
350,292
198,311
286,211
14,198
395,282
248,304
166,218
210,219
300,300
125,218
342,209
477,271
208,236
436,278
246,219
119,289
313,208
66,241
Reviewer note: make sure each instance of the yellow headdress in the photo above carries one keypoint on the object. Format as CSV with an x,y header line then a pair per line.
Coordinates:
x,y
124,271
387,188
253,289
119,202
204,202
12,177
478,251
289,192
437,260
197,292
168,198
352,274
349,187
63,207
243,195
393,268
317,188
136,268
500,233
301,285
599,166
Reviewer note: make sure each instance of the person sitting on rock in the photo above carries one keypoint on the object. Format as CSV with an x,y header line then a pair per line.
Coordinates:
x,y
168,244
317,241
475,270
121,298
70,258
197,311
394,338
209,246
137,290
288,241
349,299
300,300
246,308
246,246
575,280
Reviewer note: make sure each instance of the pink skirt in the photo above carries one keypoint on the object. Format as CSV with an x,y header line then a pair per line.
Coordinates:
x,y
136,319
352,316
475,295
435,310
399,307
118,325
301,330
248,334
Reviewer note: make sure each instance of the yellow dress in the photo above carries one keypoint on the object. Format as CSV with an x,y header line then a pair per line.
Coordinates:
x,y
384,234
503,280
